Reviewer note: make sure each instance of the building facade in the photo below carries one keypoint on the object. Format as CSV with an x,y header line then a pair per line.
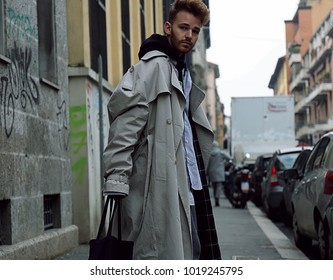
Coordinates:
x,y
112,31
214,107
35,186
306,72
278,81
309,53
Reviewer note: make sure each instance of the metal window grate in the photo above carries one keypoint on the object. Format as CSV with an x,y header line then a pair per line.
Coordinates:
x,y
5,222
48,212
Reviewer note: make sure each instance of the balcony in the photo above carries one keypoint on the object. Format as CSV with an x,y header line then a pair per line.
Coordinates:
x,y
321,43
329,21
300,79
317,93
294,54
321,56
314,128
294,58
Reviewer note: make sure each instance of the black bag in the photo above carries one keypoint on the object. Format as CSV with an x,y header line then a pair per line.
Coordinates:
x,y
110,247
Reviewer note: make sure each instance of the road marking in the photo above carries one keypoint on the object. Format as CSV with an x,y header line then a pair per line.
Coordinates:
x,y
282,244
245,258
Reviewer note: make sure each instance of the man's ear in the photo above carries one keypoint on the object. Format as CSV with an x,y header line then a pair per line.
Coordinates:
x,y
167,28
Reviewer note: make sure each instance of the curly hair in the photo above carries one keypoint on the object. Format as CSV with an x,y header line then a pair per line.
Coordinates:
x,y
195,7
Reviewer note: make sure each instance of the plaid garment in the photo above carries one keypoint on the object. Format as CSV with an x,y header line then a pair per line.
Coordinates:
x,y
210,249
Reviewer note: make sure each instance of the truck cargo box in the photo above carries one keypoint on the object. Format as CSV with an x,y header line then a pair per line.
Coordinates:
x,y
261,125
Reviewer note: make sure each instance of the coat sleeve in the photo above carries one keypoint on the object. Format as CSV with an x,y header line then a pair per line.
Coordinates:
x,y
128,114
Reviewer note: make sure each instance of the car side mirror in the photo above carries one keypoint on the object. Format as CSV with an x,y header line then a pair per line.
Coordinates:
x,y
291,173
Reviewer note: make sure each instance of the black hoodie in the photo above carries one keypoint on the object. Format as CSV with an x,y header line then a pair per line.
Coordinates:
x,y
161,43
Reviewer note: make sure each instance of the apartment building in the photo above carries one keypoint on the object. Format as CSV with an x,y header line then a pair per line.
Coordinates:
x,y
309,54
305,71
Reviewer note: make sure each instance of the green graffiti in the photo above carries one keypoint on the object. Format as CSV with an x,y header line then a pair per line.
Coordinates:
x,y
79,169
78,116
78,141
78,134
78,137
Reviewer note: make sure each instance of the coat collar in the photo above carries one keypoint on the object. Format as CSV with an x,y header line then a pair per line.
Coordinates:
x,y
174,79
197,95
153,54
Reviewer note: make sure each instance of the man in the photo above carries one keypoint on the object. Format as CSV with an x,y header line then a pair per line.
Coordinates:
x,y
158,130
216,171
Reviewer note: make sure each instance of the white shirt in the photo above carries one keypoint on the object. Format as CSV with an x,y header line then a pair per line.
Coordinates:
x,y
190,157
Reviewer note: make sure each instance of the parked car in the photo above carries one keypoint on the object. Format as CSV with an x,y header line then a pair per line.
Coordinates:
x,y
328,225
312,195
273,182
258,173
289,185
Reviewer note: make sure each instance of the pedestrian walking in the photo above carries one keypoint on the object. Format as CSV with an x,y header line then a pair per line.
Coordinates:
x,y
216,171
159,145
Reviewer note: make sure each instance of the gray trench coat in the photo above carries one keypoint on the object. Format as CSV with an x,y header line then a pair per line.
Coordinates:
x,y
216,166
145,156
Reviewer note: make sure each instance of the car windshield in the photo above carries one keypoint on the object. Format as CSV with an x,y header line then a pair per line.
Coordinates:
x,y
286,161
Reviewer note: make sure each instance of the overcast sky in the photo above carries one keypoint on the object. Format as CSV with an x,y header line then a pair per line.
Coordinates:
x,y
247,39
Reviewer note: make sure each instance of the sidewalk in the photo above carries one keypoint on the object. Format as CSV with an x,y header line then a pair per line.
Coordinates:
x,y
244,234
248,234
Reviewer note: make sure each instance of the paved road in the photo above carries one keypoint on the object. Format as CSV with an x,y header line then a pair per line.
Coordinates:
x,y
312,252
243,234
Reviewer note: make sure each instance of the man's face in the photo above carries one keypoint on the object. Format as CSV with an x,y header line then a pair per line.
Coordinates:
x,y
183,33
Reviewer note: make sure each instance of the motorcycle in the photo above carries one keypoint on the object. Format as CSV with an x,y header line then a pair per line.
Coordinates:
x,y
239,186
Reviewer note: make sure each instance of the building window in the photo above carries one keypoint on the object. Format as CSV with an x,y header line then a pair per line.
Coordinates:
x,y
98,34
142,20
154,15
51,211
166,8
2,29
126,42
5,222
47,40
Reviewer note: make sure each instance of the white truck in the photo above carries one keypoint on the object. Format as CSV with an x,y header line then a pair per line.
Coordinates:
x,y
261,125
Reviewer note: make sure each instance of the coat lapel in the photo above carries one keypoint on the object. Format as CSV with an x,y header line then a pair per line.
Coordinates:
x,y
178,105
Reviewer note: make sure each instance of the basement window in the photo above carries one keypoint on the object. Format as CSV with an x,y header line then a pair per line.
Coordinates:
x,y
51,211
5,223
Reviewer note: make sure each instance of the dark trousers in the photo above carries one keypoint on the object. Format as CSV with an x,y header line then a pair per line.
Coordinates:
x,y
217,187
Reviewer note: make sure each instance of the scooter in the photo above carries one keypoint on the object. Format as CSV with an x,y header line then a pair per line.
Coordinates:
x,y
239,191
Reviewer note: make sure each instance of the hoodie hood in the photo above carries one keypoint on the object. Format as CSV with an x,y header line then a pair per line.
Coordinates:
x,y
160,43
157,42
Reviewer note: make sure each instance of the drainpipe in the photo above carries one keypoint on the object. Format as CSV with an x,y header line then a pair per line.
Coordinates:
x,y
100,103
